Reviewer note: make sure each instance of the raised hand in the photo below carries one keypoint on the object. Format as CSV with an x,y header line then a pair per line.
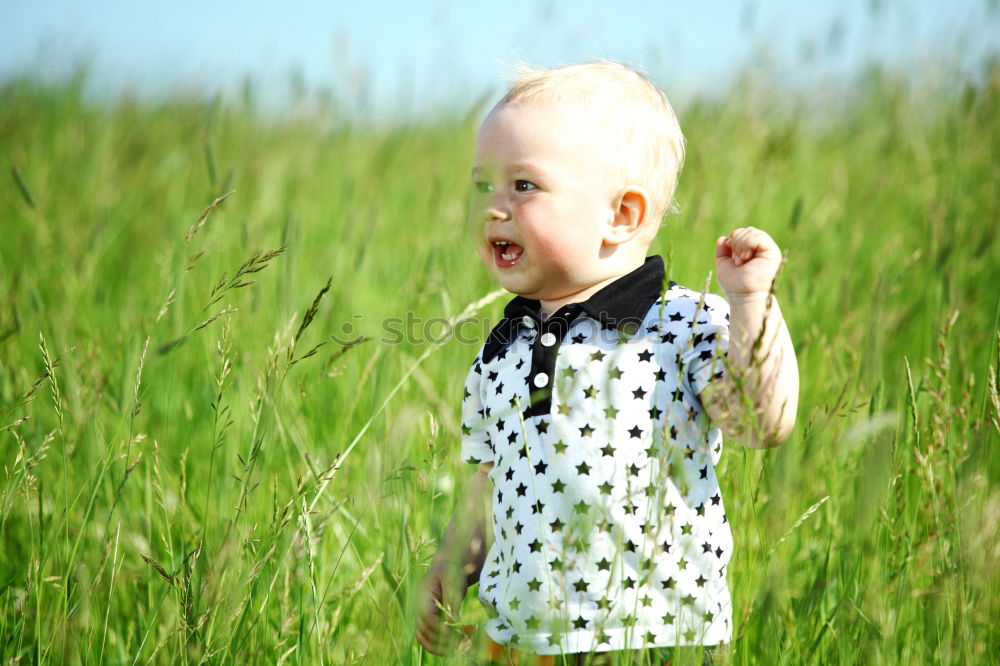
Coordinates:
x,y
746,262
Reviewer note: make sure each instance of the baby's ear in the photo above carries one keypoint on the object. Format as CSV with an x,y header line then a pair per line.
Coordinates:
x,y
628,216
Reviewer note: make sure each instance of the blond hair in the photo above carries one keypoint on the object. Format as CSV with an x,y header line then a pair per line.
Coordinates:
x,y
638,118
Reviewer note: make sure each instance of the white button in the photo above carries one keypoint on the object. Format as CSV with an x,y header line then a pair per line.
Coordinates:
x,y
548,339
528,322
541,379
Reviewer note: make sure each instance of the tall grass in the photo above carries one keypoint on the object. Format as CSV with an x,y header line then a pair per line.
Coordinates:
x,y
211,453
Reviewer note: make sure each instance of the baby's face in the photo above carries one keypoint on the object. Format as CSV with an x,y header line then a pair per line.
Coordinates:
x,y
543,199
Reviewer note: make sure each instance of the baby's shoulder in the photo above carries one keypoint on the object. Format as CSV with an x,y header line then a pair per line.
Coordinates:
x,y
682,306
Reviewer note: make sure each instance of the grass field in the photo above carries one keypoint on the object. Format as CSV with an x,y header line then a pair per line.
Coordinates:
x,y
197,467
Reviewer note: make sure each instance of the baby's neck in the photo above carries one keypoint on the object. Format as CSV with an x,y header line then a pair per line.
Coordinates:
x,y
548,308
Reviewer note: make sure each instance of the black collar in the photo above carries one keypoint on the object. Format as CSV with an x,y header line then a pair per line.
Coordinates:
x,y
623,303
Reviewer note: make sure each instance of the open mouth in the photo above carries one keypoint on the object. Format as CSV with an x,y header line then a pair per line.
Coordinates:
x,y
506,253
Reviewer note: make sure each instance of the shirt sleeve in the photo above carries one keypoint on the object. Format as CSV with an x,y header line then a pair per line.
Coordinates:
x,y
703,358
476,446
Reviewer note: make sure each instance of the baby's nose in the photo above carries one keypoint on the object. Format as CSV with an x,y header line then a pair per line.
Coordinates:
x,y
497,211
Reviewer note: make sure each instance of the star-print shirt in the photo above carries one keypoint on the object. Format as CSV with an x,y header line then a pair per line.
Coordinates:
x,y
609,528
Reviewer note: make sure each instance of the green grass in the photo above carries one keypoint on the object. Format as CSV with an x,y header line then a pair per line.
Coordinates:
x,y
175,494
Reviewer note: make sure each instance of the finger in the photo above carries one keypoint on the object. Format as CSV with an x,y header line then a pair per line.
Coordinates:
x,y
430,638
723,247
749,242
434,641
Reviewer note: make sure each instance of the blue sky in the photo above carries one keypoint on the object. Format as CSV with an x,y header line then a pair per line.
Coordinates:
x,y
388,55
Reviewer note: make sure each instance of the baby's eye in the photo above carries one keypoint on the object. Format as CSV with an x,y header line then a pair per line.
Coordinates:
x,y
483,187
524,186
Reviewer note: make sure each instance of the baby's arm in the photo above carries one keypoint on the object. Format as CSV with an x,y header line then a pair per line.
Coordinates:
x,y
456,565
764,374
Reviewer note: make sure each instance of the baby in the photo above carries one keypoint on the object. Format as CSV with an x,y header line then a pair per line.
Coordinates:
x,y
593,411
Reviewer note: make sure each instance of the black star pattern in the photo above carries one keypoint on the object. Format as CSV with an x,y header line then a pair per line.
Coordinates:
x,y
594,491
